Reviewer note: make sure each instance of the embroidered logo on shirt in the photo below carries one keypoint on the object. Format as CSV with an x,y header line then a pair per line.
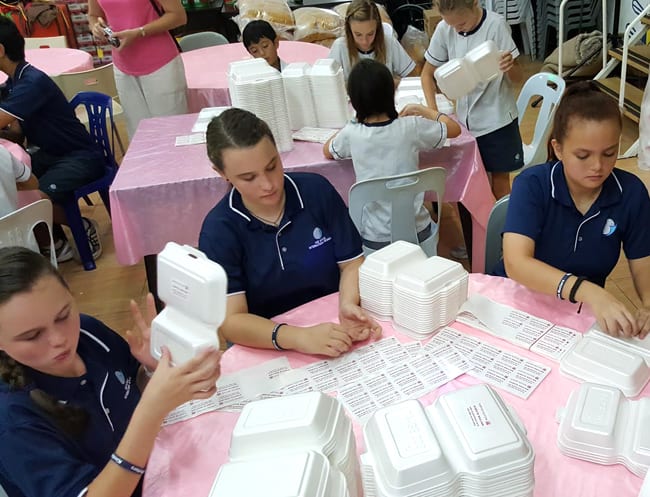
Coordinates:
x,y
320,239
609,228
124,381
120,377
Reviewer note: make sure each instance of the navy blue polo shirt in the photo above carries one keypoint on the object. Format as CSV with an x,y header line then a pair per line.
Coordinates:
x,y
36,458
588,245
281,268
46,117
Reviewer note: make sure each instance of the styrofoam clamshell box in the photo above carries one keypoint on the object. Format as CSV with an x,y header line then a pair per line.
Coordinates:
x,y
609,361
467,442
600,425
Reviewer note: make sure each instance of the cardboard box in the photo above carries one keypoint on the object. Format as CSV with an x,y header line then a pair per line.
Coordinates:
x,y
431,19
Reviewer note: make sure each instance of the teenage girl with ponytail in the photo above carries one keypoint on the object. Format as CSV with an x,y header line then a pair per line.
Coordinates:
x,y
567,219
80,407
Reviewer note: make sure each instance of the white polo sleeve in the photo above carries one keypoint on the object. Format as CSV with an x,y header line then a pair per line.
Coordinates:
x,y
340,145
437,54
400,63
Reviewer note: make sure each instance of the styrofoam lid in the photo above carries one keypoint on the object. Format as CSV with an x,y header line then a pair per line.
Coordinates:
x,y
455,79
484,60
325,67
302,474
390,258
430,275
296,69
482,423
403,445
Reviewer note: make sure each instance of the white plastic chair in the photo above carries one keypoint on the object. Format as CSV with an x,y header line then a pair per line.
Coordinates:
x,y
17,228
400,190
46,42
100,79
536,152
201,40
493,238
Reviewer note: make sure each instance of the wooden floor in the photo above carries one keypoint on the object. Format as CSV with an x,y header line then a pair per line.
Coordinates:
x,y
105,293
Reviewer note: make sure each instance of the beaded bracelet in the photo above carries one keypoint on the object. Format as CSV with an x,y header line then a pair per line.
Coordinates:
x,y
274,336
124,464
574,289
560,285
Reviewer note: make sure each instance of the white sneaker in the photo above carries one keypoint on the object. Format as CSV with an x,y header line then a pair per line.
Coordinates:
x,y
63,250
92,234
458,252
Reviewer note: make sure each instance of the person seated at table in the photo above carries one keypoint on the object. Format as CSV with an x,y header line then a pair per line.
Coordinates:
x,y
568,218
367,38
283,240
79,406
14,176
261,41
35,109
381,143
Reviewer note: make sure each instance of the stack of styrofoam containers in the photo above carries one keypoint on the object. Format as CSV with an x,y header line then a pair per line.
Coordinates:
x,y
599,358
458,77
599,425
299,474
310,421
330,97
427,295
467,443
377,274
410,91
257,87
300,100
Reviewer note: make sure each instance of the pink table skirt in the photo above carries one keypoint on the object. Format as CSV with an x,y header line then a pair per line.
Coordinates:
x,y
206,69
162,193
55,61
187,455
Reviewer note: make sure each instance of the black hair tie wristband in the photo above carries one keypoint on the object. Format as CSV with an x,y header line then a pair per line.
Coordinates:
x,y
574,289
274,336
124,464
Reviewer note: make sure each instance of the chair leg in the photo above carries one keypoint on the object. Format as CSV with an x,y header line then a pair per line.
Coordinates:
x,y
88,201
76,225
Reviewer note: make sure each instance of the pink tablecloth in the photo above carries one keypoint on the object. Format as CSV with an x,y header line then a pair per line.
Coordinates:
x,y
206,68
55,61
187,455
162,193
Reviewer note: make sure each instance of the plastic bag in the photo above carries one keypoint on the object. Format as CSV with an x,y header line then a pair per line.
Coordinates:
x,y
415,42
276,12
644,131
313,24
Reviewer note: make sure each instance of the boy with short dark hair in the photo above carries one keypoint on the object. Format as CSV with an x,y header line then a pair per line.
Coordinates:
x,y
261,41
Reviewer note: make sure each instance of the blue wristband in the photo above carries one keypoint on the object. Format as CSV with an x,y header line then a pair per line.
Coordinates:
x,y
274,336
124,464
560,285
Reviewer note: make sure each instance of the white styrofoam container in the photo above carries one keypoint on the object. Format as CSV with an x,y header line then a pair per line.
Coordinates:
x,y
299,474
598,360
600,425
484,61
455,78
429,276
385,262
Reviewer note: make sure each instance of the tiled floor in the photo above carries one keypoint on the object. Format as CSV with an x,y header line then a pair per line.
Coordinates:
x,y
105,292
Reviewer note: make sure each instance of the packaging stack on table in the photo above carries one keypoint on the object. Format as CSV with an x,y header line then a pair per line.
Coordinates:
x,y
301,446
467,443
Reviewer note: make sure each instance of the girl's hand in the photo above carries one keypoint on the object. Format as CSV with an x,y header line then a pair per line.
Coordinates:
x,y
643,322
613,317
127,37
139,340
357,323
98,30
506,61
323,339
170,386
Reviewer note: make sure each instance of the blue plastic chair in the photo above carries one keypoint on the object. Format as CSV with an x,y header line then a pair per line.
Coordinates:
x,y
98,105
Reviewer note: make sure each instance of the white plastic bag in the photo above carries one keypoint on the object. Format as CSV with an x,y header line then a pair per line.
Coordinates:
x,y
644,130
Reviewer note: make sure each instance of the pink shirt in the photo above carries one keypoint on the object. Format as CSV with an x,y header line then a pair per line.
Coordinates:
x,y
143,55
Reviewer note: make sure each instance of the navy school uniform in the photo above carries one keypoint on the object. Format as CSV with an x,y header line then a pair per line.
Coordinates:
x,y
281,268
36,458
588,245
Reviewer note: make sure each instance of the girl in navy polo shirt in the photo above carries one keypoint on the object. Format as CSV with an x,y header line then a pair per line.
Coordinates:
x,y
75,418
283,240
567,219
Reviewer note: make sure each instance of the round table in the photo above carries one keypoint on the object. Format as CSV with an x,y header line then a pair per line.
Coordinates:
x,y
206,69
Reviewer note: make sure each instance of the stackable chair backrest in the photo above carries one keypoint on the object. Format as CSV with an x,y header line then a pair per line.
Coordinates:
x,y
400,190
550,87
46,42
17,227
493,238
201,40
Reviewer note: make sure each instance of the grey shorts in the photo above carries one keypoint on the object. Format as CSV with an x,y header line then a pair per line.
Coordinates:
x,y
60,176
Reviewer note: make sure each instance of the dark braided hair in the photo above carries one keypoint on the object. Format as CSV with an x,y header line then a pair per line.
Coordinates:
x,y
20,270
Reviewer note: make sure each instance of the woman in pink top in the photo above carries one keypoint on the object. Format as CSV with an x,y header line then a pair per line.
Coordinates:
x,y
149,72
